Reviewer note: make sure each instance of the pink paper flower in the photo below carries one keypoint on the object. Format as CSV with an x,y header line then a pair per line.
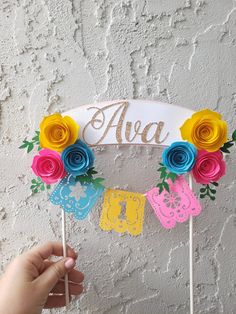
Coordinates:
x,y
209,167
48,166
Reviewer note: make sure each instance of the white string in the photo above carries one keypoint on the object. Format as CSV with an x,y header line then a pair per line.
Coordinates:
x,y
63,221
191,252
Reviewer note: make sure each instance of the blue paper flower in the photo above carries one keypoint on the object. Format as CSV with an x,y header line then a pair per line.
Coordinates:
x,y
180,157
77,158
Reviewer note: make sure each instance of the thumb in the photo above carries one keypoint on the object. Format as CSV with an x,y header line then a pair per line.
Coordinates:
x,y
48,279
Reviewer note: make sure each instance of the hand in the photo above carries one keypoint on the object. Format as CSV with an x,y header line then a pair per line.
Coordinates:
x,y
32,282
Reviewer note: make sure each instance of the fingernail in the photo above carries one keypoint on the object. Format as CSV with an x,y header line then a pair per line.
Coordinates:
x,y
69,263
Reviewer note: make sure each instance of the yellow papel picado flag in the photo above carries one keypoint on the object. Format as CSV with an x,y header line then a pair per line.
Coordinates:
x,y
122,211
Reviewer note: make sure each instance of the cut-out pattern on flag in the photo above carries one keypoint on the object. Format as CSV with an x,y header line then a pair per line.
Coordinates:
x,y
122,211
75,197
175,206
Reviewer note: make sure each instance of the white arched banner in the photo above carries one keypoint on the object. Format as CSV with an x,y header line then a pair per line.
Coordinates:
x,y
142,122
132,122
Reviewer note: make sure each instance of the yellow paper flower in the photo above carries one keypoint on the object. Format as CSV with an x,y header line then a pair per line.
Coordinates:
x,y
57,132
206,130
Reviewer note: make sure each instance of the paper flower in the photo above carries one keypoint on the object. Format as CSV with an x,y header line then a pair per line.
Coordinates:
x,y
77,158
209,167
206,130
48,166
180,157
57,132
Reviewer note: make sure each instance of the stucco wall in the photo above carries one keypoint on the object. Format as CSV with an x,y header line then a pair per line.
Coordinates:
x,y
58,54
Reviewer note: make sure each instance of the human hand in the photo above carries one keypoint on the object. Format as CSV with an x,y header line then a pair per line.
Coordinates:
x,y
32,282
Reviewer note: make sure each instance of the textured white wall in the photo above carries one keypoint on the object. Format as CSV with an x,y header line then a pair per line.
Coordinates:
x,y
58,54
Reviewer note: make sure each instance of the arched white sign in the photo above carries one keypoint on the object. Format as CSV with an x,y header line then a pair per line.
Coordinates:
x,y
130,122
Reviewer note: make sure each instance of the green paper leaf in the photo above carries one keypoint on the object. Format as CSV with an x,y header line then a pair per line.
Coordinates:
x,y
36,137
92,171
48,187
161,169
166,186
212,197
172,176
30,147
202,196
98,182
37,185
23,145
163,175
225,150
81,179
228,144
160,188
213,191
98,185
99,179
234,136
202,190
86,179
215,183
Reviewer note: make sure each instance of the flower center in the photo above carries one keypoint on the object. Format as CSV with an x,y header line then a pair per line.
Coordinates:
x,y
57,133
205,132
46,167
209,167
179,157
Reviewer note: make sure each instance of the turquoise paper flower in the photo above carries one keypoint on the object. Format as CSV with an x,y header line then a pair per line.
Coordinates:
x,y
180,157
77,158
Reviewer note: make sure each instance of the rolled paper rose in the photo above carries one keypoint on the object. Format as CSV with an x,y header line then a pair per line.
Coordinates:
x,y
48,166
180,157
209,167
206,130
57,132
77,158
